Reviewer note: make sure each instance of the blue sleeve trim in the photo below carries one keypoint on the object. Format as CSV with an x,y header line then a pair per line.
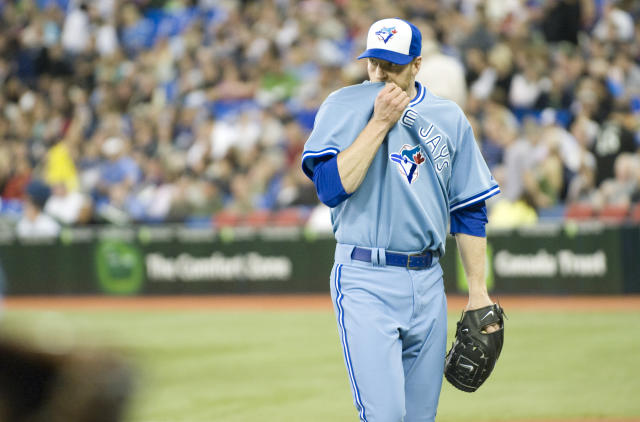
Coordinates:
x,y
476,198
328,184
311,158
470,220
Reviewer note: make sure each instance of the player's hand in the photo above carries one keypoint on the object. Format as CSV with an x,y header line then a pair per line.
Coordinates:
x,y
390,104
478,301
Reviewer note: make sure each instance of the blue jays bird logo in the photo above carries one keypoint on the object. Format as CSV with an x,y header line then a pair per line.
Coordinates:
x,y
385,33
408,161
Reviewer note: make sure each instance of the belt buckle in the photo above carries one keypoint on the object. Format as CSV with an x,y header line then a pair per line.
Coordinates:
x,y
409,260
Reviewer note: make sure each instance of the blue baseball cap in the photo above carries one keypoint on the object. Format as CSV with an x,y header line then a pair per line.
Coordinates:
x,y
39,192
394,40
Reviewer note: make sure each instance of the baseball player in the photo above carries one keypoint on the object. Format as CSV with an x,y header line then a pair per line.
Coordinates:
x,y
397,165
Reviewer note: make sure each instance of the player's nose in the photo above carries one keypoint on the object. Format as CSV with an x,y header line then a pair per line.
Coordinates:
x,y
380,73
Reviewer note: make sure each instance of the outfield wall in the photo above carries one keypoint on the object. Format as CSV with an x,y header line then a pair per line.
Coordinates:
x,y
547,259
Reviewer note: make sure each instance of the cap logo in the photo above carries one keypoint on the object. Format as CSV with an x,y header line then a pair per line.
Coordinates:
x,y
385,33
393,40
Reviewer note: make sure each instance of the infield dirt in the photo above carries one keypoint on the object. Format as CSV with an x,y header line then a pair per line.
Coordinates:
x,y
312,302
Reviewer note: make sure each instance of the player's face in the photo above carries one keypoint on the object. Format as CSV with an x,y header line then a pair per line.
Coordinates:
x,y
402,75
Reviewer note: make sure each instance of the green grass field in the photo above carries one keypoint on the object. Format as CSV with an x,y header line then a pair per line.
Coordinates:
x,y
197,366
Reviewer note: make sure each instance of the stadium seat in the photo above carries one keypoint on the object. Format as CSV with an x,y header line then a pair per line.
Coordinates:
x,y
579,211
635,213
289,217
554,213
227,218
258,218
614,213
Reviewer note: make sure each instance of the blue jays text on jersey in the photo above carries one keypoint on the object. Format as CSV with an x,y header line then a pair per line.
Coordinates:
x,y
428,166
411,157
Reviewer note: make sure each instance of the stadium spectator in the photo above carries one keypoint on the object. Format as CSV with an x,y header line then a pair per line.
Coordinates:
x,y
544,181
35,223
68,207
615,24
619,189
582,187
76,31
200,93
623,78
617,136
562,20
443,74
17,171
507,214
528,85
517,159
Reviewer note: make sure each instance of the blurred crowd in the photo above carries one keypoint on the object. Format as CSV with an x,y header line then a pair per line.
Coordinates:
x,y
151,111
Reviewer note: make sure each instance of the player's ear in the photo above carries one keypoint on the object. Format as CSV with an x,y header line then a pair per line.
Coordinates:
x,y
415,65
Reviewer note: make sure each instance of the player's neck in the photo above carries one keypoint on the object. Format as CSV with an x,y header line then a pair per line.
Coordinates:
x,y
412,91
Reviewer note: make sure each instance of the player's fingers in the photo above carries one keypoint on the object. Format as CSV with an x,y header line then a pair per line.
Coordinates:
x,y
387,93
397,92
401,99
389,101
492,328
390,86
398,103
394,91
405,100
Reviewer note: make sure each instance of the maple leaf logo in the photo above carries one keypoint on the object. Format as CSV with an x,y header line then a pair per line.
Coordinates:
x,y
418,158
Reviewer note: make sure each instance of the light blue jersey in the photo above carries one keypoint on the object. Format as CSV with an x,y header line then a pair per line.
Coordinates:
x,y
428,166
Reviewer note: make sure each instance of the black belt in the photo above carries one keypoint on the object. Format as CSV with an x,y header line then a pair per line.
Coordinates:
x,y
409,261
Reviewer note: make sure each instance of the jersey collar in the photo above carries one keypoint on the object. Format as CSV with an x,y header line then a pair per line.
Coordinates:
x,y
420,94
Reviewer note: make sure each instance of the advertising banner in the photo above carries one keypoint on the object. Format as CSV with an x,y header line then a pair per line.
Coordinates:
x,y
557,259
177,260
168,260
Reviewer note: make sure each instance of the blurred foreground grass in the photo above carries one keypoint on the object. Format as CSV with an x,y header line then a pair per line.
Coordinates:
x,y
282,366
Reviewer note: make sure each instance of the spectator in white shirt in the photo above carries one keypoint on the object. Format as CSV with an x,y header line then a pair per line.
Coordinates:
x,y
34,222
68,207
76,30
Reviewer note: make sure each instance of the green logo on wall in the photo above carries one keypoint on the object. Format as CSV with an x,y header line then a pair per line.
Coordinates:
x,y
119,268
488,272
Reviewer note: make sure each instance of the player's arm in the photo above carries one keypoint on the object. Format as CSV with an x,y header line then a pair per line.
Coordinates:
x,y
353,162
337,177
468,226
472,251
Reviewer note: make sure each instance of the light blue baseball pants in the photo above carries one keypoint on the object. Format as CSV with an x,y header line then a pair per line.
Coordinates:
x,y
392,324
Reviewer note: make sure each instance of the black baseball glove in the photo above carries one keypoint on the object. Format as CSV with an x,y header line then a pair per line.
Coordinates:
x,y
474,352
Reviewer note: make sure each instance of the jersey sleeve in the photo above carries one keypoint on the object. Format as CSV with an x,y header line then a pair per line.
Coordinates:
x,y
336,127
471,181
470,220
